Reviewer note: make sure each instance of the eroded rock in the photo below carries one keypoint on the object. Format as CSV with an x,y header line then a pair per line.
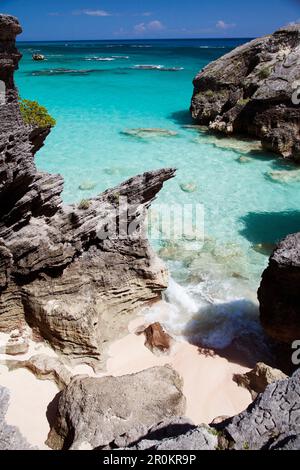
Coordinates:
x,y
250,91
157,339
100,411
257,380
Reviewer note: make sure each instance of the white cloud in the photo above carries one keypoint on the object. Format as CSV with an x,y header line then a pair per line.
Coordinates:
x,y
140,28
223,25
147,13
54,13
155,25
101,13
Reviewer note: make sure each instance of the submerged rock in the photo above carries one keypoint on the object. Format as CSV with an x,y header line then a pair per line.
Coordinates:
x,y
87,186
264,248
257,380
243,159
253,91
145,133
188,187
59,269
284,176
115,411
279,293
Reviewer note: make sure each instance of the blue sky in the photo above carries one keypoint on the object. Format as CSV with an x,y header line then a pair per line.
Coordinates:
x,y
137,19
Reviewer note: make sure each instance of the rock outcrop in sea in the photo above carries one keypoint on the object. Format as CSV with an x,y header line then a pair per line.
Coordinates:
x,y
58,272
254,90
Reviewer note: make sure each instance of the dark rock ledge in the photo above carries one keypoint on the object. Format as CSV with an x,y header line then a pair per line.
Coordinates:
x,y
56,273
249,91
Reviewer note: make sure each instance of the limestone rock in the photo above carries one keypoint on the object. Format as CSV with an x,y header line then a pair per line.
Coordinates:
x,y
44,368
279,293
157,340
271,421
63,270
252,91
99,411
10,436
257,380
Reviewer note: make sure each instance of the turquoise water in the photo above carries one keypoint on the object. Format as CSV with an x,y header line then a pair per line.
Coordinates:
x,y
95,91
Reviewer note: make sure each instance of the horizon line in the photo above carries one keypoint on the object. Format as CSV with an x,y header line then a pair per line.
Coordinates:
x,y
134,39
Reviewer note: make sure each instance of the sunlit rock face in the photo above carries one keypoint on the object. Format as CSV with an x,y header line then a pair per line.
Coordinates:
x,y
254,90
57,271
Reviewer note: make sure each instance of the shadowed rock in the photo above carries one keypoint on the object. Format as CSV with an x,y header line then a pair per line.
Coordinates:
x,y
253,90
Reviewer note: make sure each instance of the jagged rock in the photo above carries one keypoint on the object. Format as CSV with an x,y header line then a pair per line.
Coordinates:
x,y
271,422
257,380
102,411
279,293
201,438
64,268
157,340
250,91
45,368
10,436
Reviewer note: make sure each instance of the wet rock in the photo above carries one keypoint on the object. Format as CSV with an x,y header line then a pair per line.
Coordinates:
x,y
101,411
157,340
284,176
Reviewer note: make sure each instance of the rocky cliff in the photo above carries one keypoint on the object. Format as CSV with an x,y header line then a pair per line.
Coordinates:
x,y
279,293
58,270
253,91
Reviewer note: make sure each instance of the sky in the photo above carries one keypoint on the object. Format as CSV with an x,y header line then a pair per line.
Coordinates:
x,y
145,19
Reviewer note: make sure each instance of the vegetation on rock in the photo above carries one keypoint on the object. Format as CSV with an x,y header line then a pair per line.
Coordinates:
x,y
35,115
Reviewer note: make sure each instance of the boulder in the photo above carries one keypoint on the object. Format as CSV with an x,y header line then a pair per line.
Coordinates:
x,y
257,380
254,90
104,412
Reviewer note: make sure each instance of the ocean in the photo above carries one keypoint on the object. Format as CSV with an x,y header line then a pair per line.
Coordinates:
x,y
98,91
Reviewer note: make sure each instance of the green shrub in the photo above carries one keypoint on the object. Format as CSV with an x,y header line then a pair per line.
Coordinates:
x,y
35,115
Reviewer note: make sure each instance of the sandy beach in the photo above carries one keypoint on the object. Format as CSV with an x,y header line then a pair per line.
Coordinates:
x,y
208,385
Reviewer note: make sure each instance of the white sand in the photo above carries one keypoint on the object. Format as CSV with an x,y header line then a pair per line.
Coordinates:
x,y
29,399
208,384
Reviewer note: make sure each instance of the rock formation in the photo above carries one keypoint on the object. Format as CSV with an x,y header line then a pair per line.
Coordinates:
x,y
253,91
10,436
279,293
58,271
257,380
115,411
271,422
